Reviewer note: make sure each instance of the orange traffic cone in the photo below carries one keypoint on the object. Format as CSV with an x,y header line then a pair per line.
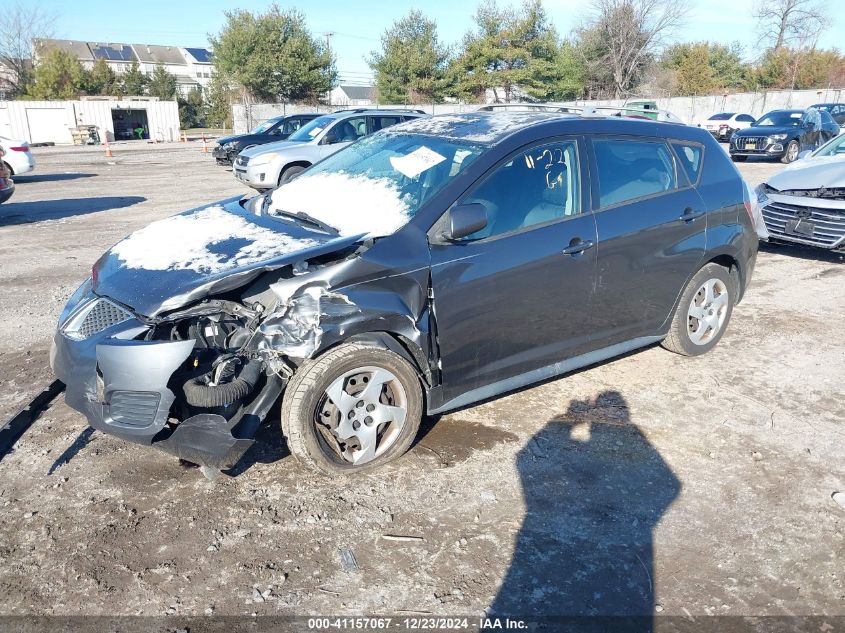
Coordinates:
x,y
204,148
108,149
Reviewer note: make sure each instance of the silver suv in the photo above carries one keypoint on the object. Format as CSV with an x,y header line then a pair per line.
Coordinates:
x,y
267,166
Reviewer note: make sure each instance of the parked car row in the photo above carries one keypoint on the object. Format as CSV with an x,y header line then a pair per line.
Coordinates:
x,y
283,147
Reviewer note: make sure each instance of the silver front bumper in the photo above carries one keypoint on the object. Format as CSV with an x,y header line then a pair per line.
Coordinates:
x,y
119,385
264,176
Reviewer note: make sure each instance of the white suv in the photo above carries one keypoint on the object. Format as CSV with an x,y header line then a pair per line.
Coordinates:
x,y
267,166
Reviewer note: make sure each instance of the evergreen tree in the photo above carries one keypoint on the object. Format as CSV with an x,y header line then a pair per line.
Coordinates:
x,y
58,75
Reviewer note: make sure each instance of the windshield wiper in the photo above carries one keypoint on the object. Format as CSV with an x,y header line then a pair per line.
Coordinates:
x,y
304,217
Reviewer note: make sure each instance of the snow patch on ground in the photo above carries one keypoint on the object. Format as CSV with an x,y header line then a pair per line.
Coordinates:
x,y
353,205
187,242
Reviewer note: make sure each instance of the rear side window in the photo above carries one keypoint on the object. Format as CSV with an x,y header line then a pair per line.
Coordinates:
x,y
381,122
745,118
690,156
629,169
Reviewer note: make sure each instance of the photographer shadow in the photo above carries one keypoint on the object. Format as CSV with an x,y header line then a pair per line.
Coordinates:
x,y
594,489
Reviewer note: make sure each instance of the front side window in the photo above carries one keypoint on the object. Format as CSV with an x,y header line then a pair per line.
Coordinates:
x,y
347,130
629,169
690,156
381,122
534,187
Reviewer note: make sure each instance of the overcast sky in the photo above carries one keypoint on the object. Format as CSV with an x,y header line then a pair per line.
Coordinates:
x,y
358,24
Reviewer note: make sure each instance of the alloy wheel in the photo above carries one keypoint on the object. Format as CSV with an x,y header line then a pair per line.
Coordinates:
x,y
707,311
361,414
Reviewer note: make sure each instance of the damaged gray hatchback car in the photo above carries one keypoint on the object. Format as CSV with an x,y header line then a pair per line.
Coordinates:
x,y
432,265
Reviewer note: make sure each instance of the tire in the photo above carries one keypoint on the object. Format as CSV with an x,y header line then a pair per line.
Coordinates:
x,y
791,152
738,159
306,400
291,172
690,336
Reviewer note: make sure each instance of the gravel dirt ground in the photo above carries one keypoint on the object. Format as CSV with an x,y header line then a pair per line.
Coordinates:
x,y
650,483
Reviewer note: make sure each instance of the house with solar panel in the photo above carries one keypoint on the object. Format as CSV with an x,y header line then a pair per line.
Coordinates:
x,y
192,67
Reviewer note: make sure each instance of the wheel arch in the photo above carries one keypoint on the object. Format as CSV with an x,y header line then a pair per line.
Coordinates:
x,y
731,263
294,163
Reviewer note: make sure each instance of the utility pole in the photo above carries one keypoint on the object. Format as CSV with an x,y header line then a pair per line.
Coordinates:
x,y
329,35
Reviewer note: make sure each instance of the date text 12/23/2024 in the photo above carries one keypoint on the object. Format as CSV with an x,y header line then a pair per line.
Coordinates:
x,y
430,623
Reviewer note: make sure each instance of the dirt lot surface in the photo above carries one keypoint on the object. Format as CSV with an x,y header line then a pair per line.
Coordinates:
x,y
653,482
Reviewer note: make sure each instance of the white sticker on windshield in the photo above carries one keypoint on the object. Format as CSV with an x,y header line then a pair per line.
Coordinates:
x,y
796,115
415,163
315,131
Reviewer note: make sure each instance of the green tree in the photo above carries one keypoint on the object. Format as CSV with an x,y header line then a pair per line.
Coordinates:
x,y
100,79
512,51
58,75
162,84
411,64
133,81
274,56
222,93
191,110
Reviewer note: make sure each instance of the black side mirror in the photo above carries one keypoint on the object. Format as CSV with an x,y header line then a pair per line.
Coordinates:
x,y
330,138
465,219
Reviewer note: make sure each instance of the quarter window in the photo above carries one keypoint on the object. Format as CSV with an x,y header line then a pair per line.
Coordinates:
x,y
534,187
690,156
633,169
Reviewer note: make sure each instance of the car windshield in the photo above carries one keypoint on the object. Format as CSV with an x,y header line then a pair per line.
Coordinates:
x,y
722,116
310,130
260,129
780,119
374,186
835,147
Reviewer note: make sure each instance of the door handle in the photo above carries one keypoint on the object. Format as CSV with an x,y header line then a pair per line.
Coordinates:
x,y
577,245
690,214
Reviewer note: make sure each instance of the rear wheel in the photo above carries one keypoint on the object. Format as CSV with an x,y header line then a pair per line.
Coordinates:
x,y
290,173
703,312
791,152
355,408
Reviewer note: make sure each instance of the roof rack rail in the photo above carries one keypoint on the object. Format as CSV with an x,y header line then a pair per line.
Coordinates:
x,y
377,109
590,111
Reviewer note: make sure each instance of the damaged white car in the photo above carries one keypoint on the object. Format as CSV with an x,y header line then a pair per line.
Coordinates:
x,y
432,265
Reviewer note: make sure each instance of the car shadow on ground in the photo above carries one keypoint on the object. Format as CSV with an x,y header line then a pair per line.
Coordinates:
x,y
804,252
13,213
594,489
27,178
71,451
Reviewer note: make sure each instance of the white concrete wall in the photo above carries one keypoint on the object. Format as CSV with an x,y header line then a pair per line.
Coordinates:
x,y
690,109
51,121
696,109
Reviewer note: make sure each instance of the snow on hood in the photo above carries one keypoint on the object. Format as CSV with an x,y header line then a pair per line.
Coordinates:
x,y
811,173
207,241
351,204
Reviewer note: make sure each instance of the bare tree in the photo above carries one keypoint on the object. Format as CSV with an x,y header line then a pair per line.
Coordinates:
x,y
20,24
621,37
790,22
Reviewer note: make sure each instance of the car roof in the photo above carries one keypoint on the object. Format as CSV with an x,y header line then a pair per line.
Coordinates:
x,y
368,111
490,128
476,127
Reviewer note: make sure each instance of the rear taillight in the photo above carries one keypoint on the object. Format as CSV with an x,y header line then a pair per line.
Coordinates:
x,y
22,148
747,205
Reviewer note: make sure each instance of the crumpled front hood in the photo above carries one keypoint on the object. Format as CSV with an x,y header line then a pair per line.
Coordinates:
x,y
811,173
214,248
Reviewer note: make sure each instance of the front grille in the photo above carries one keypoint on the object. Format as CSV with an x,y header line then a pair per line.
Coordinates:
x,y
101,315
243,161
136,409
828,224
760,142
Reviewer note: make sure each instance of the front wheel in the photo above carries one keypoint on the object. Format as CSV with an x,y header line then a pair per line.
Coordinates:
x,y
791,152
354,408
703,312
290,173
